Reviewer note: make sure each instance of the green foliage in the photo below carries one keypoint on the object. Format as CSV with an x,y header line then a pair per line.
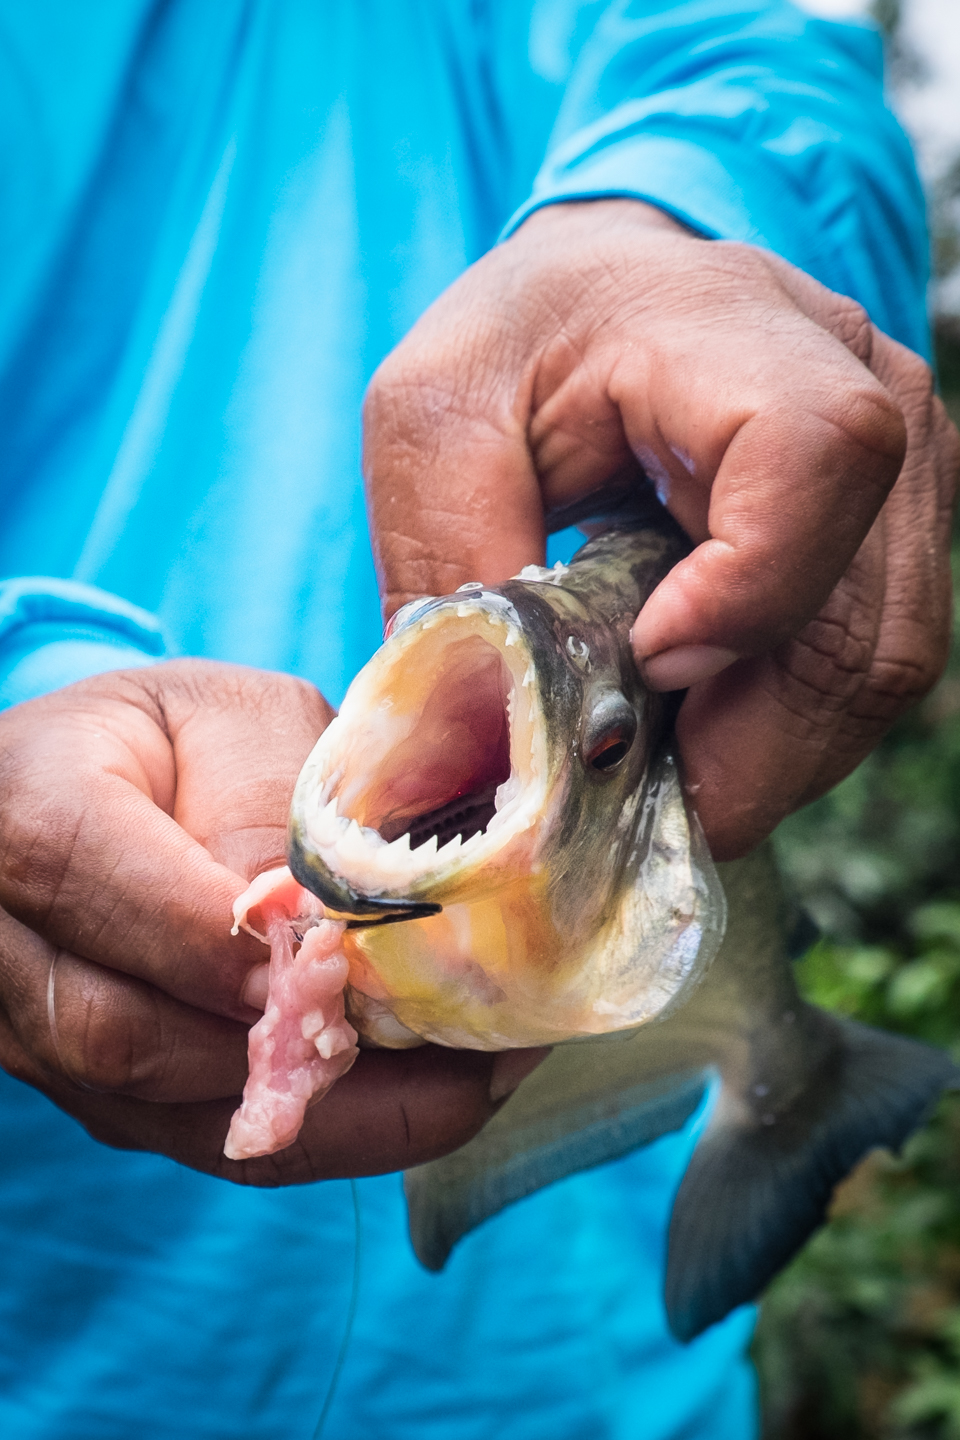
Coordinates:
x,y
860,1338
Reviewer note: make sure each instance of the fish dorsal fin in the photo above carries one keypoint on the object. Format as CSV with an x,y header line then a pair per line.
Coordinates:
x,y
755,1192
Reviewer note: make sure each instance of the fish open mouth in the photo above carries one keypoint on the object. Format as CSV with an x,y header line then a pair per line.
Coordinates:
x,y
437,758
442,779
465,815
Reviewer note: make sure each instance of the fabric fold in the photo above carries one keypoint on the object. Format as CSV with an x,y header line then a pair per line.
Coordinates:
x,y
55,632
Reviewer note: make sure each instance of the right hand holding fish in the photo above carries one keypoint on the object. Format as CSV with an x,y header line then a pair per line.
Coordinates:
x,y
801,449
134,809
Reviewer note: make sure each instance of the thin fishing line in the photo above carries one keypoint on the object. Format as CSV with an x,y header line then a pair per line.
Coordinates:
x,y
351,1314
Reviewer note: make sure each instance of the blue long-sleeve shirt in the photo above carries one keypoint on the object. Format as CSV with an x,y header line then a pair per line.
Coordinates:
x,y
218,216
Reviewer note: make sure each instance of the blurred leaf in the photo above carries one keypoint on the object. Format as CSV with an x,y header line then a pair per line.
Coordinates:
x,y
917,987
940,920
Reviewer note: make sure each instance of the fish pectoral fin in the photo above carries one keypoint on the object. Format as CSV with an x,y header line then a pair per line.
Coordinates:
x,y
754,1192
583,1106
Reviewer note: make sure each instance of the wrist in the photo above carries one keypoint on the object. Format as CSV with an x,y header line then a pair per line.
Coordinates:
x,y
600,214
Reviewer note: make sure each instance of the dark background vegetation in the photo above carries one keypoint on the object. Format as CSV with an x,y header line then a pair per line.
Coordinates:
x,y
860,1338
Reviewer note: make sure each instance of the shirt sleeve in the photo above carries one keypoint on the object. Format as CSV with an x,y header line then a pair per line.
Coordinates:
x,y
53,632
751,122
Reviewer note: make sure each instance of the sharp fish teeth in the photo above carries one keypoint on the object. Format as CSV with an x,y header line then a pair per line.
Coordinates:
x,y
328,821
428,849
402,842
447,851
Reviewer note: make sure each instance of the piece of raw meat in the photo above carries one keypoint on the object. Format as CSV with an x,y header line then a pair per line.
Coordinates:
x,y
304,1043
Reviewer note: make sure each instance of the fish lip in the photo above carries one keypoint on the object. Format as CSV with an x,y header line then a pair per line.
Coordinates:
x,y
341,901
482,597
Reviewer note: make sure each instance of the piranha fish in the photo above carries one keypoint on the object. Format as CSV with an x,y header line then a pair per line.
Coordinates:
x,y
490,848
495,779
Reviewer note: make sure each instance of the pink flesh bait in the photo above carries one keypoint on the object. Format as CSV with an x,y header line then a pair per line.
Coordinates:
x,y
304,1043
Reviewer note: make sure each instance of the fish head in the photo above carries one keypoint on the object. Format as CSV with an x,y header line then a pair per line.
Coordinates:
x,y
494,731
486,782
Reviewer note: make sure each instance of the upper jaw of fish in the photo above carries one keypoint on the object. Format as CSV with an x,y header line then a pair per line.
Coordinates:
x,y
439,772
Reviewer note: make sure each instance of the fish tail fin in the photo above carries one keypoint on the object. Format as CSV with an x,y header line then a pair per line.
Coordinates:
x,y
759,1183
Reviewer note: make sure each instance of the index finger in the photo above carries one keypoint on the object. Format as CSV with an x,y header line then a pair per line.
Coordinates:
x,y
808,445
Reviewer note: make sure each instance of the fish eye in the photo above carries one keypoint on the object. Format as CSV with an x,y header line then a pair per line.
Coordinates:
x,y
609,755
609,733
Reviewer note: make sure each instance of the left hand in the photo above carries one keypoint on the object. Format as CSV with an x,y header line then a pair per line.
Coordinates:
x,y
802,450
134,808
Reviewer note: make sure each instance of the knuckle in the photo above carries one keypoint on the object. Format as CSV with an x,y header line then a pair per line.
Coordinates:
x,y
845,318
197,689
383,382
910,379
917,374
871,421
817,675
851,324
903,672
405,404
411,374
105,1044
39,831
898,682
828,659
99,1055
462,373
745,260
946,446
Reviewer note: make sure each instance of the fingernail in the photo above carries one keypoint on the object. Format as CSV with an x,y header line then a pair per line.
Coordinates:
x,y
512,1066
685,665
255,989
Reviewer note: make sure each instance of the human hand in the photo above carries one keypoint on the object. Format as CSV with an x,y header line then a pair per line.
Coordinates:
x,y
802,450
134,808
